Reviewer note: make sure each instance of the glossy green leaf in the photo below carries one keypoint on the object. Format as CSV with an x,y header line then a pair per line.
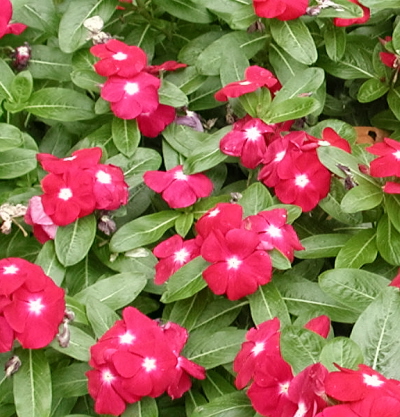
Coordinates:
x,y
38,14
186,10
146,407
322,246
10,137
47,259
171,95
236,404
371,90
392,204
362,197
335,41
284,65
126,135
388,241
100,316
215,385
256,198
16,162
48,62
183,224
293,108
343,352
70,381
21,87
73,242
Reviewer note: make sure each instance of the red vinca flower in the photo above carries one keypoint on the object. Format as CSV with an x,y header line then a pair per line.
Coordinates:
x,y
274,231
320,325
388,163
337,21
238,268
176,188
132,96
255,77
166,66
153,123
246,140
173,253
118,58
6,27
280,9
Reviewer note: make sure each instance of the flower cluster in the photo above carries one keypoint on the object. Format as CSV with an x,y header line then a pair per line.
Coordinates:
x,y
6,11
275,391
74,188
31,305
237,249
131,87
387,164
138,357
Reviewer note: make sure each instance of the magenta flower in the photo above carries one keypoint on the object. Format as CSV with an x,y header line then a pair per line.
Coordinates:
x,y
388,163
6,11
280,9
238,268
132,96
152,124
176,188
320,325
255,77
43,227
118,58
165,66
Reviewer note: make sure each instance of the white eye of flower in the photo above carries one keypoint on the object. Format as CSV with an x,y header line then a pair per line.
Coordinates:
x,y
274,231
258,348
36,306
126,338
131,88
301,180
181,255
372,380
279,156
252,133
233,263
120,56
65,194
396,154
107,376
179,175
149,364
10,270
103,178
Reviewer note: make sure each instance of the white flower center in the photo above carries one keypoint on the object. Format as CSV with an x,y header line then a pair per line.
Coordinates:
x,y
181,255
233,263
179,175
131,88
258,348
252,133
214,212
396,154
372,380
103,178
65,194
107,376
274,231
301,180
245,83
10,270
284,388
126,338
149,364
36,306
323,143
279,156
120,56
70,158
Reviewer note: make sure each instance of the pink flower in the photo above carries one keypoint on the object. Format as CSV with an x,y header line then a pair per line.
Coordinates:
x,y
388,163
274,231
6,27
178,190
246,141
132,96
255,77
260,341
173,253
358,20
153,123
68,197
280,9
43,227
120,59
110,189
238,268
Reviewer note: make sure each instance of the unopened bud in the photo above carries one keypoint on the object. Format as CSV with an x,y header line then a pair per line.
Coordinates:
x,y
69,315
12,366
64,336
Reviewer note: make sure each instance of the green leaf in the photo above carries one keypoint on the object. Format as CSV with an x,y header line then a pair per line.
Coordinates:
x,y
343,352
16,162
73,241
203,98
186,10
256,198
208,155
300,347
187,79
322,246
116,291
10,137
256,104
388,241
284,65
100,317
358,251
70,381
236,404
335,41
392,205
267,303
377,333
7,77
183,224
171,95
142,231
38,14
279,260
21,87
87,79
32,384
354,288
186,281
126,135
396,38
235,64
363,197
79,345
213,351
48,62
48,260
293,108
183,138
146,407
371,90
72,33
61,104
294,37
393,99
215,385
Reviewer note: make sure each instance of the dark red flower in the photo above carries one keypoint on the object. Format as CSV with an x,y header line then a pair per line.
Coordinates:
x,y
132,96
6,11
280,9
358,20
176,188
388,163
6,335
118,58
331,138
320,325
153,123
255,77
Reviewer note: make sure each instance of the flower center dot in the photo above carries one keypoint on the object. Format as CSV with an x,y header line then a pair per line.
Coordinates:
x,y
234,263
252,133
180,176
372,380
120,56
284,388
396,154
149,364
181,255
36,306
103,178
274,231
214,213
10,270
107,377
301,180
131,88
65,194
126,338
258,348
279,156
